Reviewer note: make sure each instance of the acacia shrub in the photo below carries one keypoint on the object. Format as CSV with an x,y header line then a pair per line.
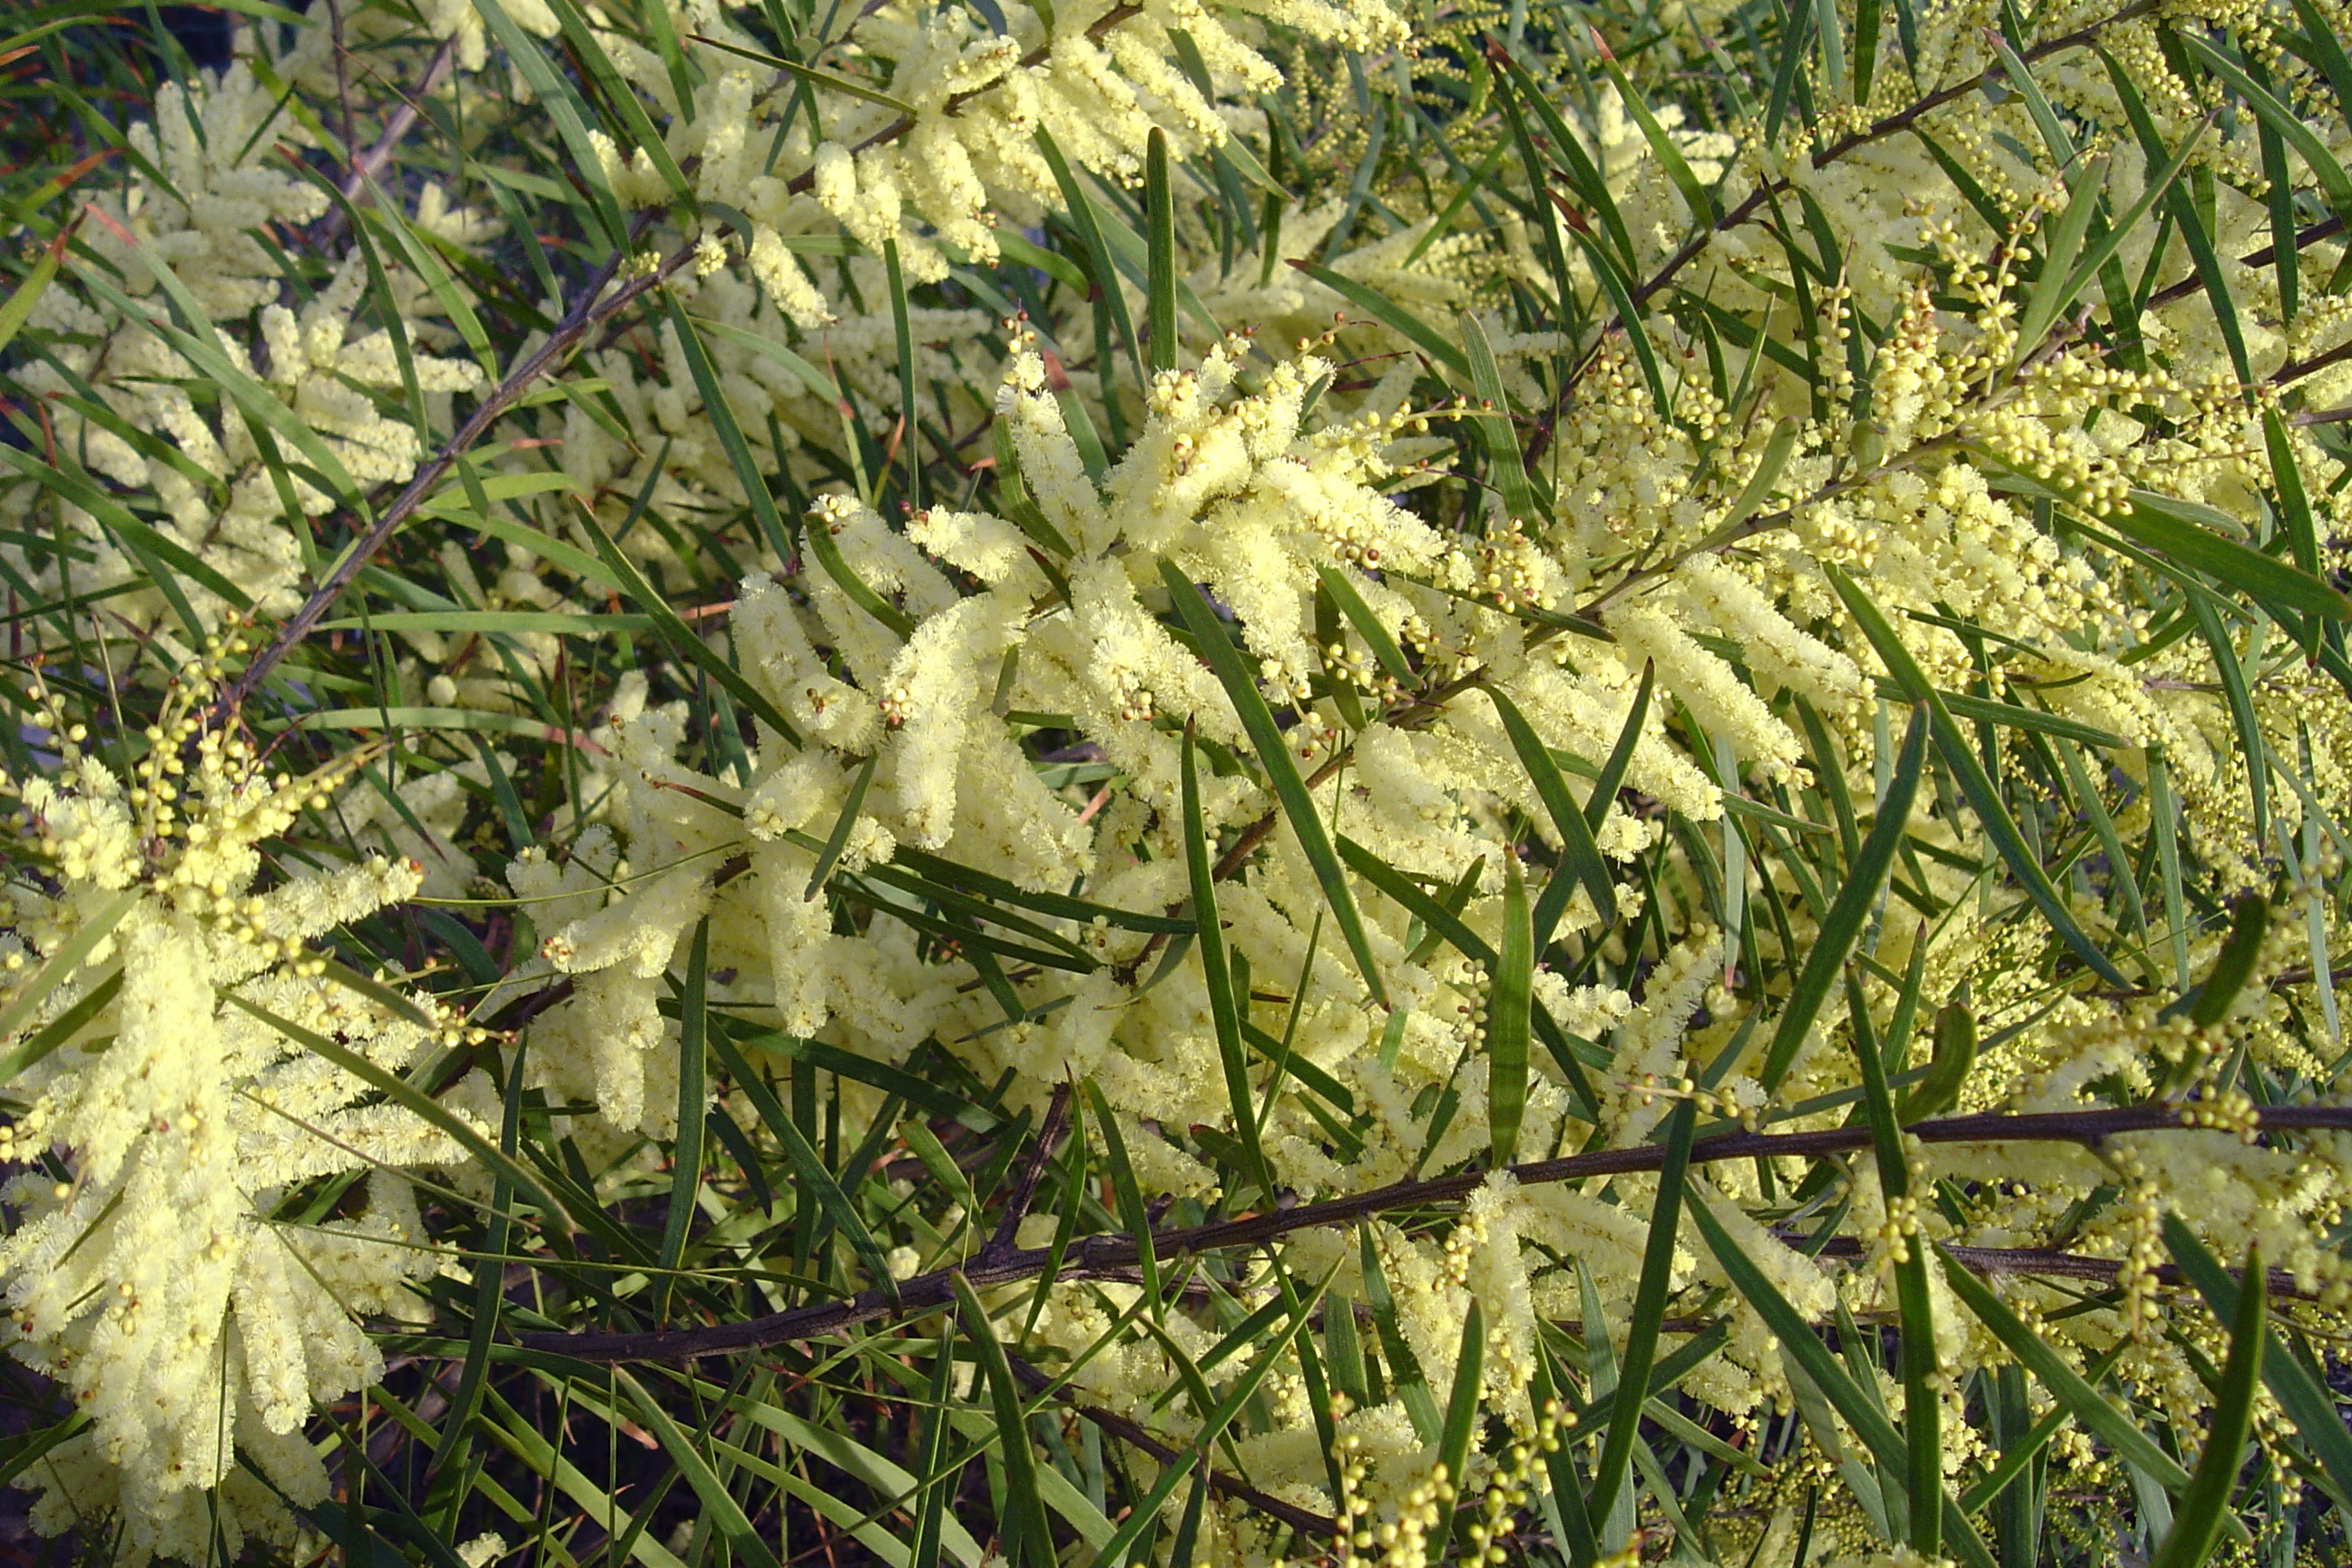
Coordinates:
x,y
1306,782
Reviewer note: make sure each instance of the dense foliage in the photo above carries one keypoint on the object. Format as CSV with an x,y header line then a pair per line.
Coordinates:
x,y
1316,782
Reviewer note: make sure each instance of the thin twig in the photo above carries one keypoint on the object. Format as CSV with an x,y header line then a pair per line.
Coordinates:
x,y
342,83
928,1292
1878,131
2268,254
2052,1263
1024,1192
2295,370
1132,1434
591,308
367,165
586,314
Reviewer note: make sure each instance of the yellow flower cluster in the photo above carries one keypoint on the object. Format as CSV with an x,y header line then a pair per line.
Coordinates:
x,y
168,1111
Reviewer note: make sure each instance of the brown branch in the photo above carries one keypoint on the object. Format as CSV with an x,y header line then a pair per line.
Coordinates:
x,y
365,166
342,83
372,162
2268,254
1088,1258
2295,370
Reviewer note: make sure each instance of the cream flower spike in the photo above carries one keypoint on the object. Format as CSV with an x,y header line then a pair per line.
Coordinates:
x,y
168,1104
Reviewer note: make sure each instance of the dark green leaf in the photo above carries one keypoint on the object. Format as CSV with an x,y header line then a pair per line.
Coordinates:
x,y
681,638
2234,965
1389,313
1461,1404
843,825
2197,1521
1579,852
1027,1530
1649,1310
1982,796
2306,1401
686,1157
1216,972
1841,928
1281,770
1508,1000
2186,532
1161,261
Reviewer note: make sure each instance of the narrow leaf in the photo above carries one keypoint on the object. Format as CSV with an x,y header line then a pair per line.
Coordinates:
x,y
2101,1418
1090,235
681,638
59,967
686,1158
1800,1344
812,1180
1649,1310
1025,1527
1621,757
1504,464
1579,851
843,826
720,1506
1508,1001
2197,1521
1957,755
1368,625
1216,971
1921,1414
2184,531
1389,313
1841,928
1462,1403
21,300
2307,1402
1281,769
1619,290
1161,259
832,81
2234,965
